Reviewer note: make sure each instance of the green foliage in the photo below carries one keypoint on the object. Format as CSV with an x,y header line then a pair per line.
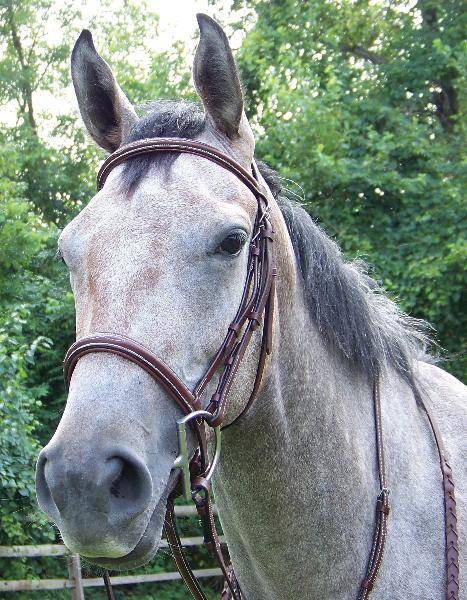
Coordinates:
x,y
359,103
24,340
28,53
57,180
19,402
58,164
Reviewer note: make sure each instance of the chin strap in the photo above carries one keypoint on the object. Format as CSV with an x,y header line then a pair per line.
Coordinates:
x,y
175,545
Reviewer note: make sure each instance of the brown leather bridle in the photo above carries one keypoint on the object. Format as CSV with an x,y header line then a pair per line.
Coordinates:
x,y
255,310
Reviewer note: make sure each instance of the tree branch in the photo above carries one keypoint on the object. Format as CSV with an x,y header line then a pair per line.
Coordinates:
x,y
446,101
44,72
38,31
356,50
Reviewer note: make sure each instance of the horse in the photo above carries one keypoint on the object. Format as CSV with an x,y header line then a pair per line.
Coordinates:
x,y
160,256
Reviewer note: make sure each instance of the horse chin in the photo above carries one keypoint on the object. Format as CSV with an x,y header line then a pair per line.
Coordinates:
x,y
147,546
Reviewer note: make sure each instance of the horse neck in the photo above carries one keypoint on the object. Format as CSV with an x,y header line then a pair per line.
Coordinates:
x,y
308,438
309,391
298,478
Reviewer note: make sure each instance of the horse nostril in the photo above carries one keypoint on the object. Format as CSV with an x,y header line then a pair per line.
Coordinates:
x,y
115,483
43,492
127,483
115,488
130,484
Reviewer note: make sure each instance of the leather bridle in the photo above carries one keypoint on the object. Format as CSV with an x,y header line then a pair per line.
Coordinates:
x,y
255,311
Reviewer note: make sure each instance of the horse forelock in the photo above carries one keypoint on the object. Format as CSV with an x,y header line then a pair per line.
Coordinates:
x,y
163,118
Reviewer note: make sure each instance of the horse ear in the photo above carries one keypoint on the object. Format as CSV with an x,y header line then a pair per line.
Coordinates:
x,y
106,111
216,77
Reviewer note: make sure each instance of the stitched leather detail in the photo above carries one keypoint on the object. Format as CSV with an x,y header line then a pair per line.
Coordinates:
x,y
452,538
158,145
450,510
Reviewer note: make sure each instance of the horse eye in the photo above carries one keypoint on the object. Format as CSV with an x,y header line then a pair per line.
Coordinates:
x,y
233,243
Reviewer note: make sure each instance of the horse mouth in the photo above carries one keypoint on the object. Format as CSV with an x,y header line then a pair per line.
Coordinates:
x,y
146,547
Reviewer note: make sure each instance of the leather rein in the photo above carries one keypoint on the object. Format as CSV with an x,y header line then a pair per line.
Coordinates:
x,y
255,311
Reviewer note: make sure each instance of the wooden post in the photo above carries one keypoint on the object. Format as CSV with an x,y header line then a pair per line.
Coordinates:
x,y
74,571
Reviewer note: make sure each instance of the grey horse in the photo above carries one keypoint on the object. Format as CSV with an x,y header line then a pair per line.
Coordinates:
x,y
159,255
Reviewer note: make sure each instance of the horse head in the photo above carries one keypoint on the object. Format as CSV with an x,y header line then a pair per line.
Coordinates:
x,y
159,255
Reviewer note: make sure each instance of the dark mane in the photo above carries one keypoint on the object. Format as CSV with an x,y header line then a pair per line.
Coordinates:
x,y
348,306
163,118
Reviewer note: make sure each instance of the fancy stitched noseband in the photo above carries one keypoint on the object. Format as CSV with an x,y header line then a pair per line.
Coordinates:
x,y
255,310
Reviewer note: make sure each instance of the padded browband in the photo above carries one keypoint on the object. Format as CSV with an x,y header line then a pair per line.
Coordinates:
x,y
158,145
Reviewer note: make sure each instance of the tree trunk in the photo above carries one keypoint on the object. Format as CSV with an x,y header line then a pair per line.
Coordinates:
x,y
446,100
26,87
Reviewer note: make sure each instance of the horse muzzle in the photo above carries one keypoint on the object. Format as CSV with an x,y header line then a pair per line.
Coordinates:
x,y
101,500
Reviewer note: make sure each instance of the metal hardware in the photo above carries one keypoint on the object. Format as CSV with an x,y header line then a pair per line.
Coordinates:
x,y
182,461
